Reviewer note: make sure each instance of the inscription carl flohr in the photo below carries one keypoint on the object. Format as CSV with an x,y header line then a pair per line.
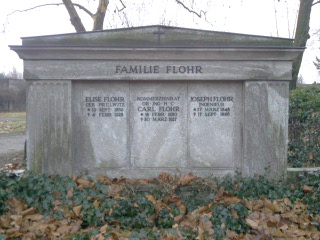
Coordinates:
x,y
158,109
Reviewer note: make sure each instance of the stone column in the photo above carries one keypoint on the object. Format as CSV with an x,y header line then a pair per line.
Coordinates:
x,y
49,130
265,128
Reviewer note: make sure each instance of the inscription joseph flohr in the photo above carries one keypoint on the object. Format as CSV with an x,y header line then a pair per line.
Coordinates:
x,y
211,106
106,106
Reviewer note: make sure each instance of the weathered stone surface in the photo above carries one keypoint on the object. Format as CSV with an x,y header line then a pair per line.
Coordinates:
x,y
215,120
159,125
100,125
155,36
266,128
157,70
49,127
154,54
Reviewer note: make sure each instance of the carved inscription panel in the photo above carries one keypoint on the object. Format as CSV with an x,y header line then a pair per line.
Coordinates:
x,y
159,109
159,124
105,106
100,124
214,124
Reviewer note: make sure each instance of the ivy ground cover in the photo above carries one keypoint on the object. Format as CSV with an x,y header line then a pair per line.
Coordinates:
x,y
167,207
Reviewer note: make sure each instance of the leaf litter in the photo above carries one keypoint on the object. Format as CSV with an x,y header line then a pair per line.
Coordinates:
x,y
110,208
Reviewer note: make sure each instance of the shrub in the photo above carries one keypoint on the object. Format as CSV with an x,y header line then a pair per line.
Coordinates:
x,y
304,127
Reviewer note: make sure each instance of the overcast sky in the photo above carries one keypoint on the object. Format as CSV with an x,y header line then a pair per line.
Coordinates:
x,y
258,17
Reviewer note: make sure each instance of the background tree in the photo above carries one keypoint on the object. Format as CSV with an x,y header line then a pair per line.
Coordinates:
x,y
12,92
317,63
300,39
13,74
98,17
301,36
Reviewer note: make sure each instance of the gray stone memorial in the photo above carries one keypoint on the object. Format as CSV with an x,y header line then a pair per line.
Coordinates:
x,y
135,103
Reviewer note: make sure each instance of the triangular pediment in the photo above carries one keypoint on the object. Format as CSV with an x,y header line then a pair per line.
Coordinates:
x,y
157,36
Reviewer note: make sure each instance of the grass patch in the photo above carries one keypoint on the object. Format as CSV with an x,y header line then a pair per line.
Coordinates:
x,y
12,126
12,114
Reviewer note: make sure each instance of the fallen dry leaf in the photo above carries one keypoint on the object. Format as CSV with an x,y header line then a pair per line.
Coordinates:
x,y
310,155
273,206
64,230
35,217
252,223
226,198
205,225
115,190
16,204
165,177
77,210
307,188
104,228
96,204
70,193
83,182
186,179
151,199
232,235
29,211
57,203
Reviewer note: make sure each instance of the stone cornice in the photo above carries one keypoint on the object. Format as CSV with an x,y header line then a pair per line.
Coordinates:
x,y
163,54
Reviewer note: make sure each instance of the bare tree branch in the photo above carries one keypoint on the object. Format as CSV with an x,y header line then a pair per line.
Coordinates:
x,y
53,4
190,10
199,15
315,3
84,9
123,6
74,16
99,16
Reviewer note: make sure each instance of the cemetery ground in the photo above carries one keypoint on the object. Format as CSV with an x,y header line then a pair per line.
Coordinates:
x,y
12,139
173,207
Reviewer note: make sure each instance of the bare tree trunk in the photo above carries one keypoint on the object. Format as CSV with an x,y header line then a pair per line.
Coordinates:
x,y
98,17
301,37
74,17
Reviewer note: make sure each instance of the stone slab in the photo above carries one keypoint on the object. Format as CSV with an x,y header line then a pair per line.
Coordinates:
x,y
159,125
49,127
265,128
100,116
215,120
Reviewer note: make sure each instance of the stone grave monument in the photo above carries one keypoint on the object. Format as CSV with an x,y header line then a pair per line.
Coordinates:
x,y
140,101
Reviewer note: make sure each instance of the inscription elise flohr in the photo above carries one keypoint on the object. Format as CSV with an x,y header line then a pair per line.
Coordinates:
x,y
107,106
